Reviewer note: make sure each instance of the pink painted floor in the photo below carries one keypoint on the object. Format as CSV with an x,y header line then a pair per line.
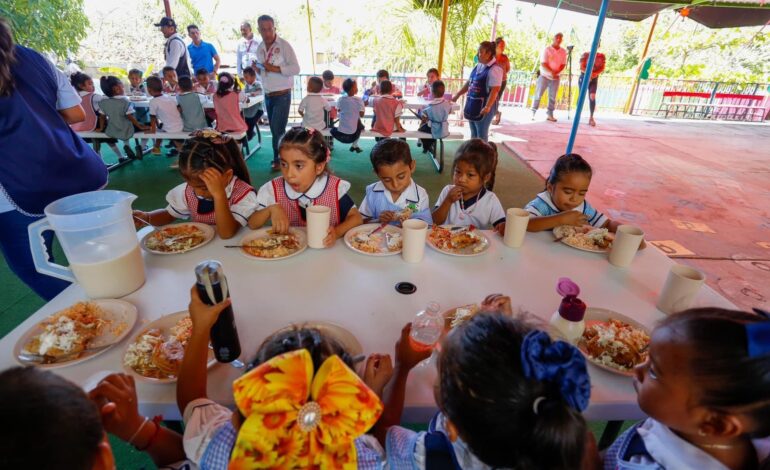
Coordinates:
x,y
700,190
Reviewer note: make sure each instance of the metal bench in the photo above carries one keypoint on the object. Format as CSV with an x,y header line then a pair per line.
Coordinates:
x,y
708,105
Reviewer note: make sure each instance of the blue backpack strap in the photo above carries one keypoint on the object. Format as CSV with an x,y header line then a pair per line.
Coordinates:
x,y
439,454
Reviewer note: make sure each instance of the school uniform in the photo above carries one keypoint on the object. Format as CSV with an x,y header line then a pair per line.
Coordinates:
x,y
164,108
90,106
313,106
141,114
228,110
327,190
378,200
332,90
210,89
116,109
437,113
387,108
252,114
483,210
193,117
183,203
349,126
543,205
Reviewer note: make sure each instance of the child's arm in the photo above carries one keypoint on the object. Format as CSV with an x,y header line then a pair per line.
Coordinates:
x,y
191,384
153,125
547,222
216,183
135,122
353,219
157,218
399,127
611,225
274,213
461,92
442,211
100,125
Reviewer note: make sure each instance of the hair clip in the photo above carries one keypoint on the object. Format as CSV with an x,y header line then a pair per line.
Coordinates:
x,y
536,404
758,338
212,135
224,79
310,130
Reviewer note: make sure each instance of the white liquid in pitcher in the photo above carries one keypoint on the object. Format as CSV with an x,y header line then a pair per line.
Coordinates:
x,y
112,278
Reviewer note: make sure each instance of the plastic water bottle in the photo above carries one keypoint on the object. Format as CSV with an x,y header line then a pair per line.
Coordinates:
x,y
427,327
567,322
212,288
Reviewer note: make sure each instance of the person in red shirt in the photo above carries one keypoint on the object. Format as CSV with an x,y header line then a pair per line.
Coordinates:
x,y
599,64
502,61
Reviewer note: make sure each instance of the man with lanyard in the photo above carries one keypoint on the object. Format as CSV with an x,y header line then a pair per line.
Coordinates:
x,y
278,64
246,54
175,50
552,62
599,63
203,54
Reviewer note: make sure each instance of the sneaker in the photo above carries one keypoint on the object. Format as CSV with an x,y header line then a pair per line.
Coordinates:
x,y
149,149
155,151
122,159
591,122
357,149
129,152
551,118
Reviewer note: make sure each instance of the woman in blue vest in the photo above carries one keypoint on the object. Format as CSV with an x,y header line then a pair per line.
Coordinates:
x,y
483,89
42,158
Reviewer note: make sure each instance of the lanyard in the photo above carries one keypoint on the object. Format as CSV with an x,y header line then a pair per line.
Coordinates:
x,y
248,47
269,54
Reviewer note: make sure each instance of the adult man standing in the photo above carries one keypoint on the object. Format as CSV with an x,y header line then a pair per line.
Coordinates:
x,y
599,63
202,54
246,54
278,65
175,50
552,62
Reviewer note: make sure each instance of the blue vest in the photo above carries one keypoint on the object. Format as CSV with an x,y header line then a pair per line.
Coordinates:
x,y
477,93
41,158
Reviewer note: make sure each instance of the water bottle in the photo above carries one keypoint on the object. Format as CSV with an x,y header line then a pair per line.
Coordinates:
x,y
567,322
427,327
212,288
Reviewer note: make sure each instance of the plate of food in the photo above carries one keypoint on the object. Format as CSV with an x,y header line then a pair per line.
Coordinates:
x,y
586,238
614,342
375,240
458,241
175,239
343,336
75,334
457,316
264,244
156,353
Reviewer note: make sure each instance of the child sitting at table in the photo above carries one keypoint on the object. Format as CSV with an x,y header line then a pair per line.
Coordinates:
x,y
351,109
252,88
508,397
118,112
203,83
388,110
427,88
227,104
396,197
384,75
435,117
564,200
217,188
190,105
170,81
329,88
90,102
136,88
163,109
299,378
467,201
706,389
306,181
314,105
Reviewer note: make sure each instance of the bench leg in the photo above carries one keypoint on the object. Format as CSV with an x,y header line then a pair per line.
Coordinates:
x,y
609,434
246,148
437,159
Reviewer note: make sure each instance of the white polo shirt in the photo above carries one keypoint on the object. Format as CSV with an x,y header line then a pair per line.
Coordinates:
x,y
483,210
282,55
164,108
312,108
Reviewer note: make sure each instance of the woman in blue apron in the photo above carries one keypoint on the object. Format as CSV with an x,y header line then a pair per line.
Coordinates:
x,y
483,89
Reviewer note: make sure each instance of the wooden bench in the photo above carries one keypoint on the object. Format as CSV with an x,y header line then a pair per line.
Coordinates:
x,y
709,103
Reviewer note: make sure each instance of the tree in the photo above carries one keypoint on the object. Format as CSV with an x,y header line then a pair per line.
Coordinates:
x,y
55,26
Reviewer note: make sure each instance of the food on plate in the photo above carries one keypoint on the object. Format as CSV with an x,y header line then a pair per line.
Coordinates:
x,y
456,238
463,314
175,238
69,331
587,237
157,355
381,242
273,245
615,344
406,212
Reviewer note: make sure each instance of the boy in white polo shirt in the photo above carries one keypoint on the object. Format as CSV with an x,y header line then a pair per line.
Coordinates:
x,y
313,105
163,108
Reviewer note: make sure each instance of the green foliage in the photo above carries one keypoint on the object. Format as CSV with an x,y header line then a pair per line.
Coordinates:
x,y
55,26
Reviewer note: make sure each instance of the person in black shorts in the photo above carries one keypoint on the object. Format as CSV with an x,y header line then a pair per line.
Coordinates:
x,y
599,64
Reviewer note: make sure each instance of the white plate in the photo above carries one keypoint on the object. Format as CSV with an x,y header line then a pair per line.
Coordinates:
x,y
121,315
208,235
597,315
164,324
366,229
343,336
300,234
590,250
466,251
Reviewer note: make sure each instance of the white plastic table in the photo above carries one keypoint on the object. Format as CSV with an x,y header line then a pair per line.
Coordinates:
x,y
356,291
209,104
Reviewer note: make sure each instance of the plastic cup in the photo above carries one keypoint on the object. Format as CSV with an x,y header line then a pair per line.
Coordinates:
x,y
317,225
626,244
682,284
414,232
516,221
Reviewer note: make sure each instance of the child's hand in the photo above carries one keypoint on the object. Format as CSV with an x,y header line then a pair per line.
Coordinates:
x,y
204,316
215,182
379,370
139,217
500,229
279,219
407,357
455,194
148,130
387,217
497,303
331,237
115,396
575,218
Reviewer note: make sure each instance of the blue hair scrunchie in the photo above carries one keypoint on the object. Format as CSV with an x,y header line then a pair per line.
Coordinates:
x,y
557,362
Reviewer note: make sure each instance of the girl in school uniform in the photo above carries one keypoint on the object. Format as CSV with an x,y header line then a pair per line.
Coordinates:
x,y
388,110
227,104
85,88
118,112
306,181
217,188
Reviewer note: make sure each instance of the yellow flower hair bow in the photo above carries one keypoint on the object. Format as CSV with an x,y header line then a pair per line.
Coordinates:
x,y
296,420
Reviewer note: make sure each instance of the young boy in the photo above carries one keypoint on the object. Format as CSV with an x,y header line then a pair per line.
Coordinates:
x,y
388,110
203,83
329,88
136,88
253,88
163,108
190,106
351,109
396,197
383,75
170,83
313,105
432,76
435,117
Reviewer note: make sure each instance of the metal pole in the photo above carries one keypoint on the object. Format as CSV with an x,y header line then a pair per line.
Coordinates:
x,y
629,107
589,67
442,38
494,23
167,7
310,29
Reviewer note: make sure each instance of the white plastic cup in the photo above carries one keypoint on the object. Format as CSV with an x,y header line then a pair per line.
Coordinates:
x,y
626,244
516,221
682,284
318,218
414,232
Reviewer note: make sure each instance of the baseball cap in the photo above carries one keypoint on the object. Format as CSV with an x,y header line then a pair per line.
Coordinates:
x,y
166,21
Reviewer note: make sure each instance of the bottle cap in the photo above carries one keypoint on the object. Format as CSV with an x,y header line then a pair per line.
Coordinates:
x,y
571,307
209,269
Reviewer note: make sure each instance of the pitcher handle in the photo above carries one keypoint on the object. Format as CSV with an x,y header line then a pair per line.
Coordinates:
x,y
40,253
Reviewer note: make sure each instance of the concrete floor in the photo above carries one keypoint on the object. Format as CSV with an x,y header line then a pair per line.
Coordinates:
x,y
700,190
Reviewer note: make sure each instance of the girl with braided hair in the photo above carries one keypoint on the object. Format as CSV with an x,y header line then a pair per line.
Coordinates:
x,y
217,188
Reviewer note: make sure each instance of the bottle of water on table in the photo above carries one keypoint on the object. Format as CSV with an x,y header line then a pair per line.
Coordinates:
x,y
427,327
212,288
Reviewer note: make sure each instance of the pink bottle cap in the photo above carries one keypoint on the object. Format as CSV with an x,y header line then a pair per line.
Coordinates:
x,y
571,308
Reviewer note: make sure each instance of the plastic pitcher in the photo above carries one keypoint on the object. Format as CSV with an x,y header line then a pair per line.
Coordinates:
x,y
97,233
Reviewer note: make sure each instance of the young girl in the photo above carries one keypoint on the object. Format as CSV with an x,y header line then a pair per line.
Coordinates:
x,y
426,91
217,188
227,105
119,113
508,397
467,201
85,88
706,390
388,110
563,201
351,109
306,181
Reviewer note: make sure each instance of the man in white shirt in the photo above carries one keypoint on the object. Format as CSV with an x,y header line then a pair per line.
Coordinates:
x,y
175,50
552,62
246,53
278,65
